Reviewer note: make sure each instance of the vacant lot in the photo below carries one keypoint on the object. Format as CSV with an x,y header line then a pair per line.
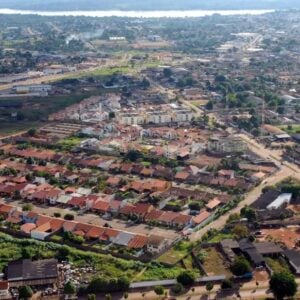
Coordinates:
x,y
13,127
287,236
213,262
175,254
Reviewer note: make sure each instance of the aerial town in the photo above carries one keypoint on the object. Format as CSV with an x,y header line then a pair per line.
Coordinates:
x,y
150,159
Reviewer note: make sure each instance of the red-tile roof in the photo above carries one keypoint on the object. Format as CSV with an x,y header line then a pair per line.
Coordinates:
x,y
138,242
201,217
101,206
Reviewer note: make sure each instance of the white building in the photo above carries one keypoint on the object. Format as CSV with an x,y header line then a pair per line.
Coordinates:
x,y
282,199
228,145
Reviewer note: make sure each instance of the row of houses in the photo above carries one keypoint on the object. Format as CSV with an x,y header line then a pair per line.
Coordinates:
x,y
42,227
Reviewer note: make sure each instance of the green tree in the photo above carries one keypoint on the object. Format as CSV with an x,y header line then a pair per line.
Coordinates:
x,y
167,72
240,266
186,278
177,288
249,213
25,292
159,290
209,105
69,217
27,207
31,132
69,288
283,284
240,231
226,284
209,286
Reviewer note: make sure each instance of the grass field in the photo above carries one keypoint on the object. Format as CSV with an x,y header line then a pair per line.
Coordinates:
x,y
290,129
13,127
68,143
175,254
220,236
199,103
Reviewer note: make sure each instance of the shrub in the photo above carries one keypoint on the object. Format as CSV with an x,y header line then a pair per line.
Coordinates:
x,y
226,284
69,217
159,290
177,288
186,278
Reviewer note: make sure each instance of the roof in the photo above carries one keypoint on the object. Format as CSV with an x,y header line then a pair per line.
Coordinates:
x,y
123,238
280,200
28,227
101,206
155,240
201,217
154,214
26,269
229,243
265,248
95,232
213,203
182,219
168,216
294,258
137,242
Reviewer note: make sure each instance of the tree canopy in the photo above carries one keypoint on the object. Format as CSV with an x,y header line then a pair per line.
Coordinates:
x,y
283,284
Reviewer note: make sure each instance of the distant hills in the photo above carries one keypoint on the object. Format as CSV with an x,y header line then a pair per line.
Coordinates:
x,y
60,5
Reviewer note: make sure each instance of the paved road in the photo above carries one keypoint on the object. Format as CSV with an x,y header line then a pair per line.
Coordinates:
x,y
286,170
249,199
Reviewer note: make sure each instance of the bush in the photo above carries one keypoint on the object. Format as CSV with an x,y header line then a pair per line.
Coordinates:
x,y
103,285
77,239
241,266
69,217
177,288
69,288
159,290
186,278
25,292
27,207
226,284
57,214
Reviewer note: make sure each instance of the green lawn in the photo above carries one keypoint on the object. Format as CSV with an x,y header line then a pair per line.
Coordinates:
x,y
175,254
68,143
290,129
157,271
219,237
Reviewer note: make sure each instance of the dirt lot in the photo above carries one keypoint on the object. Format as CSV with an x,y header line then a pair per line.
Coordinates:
x,y
97,220
288,236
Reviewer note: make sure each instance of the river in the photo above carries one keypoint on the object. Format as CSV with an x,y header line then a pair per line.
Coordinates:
x,y
138,14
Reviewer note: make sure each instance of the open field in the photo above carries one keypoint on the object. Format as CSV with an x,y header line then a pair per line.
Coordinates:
x,y
199,103
287,236
175,254
213,262
8,128
290,129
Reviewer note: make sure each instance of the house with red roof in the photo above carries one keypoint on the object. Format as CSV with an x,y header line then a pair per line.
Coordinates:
x,y
6,210
100,207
